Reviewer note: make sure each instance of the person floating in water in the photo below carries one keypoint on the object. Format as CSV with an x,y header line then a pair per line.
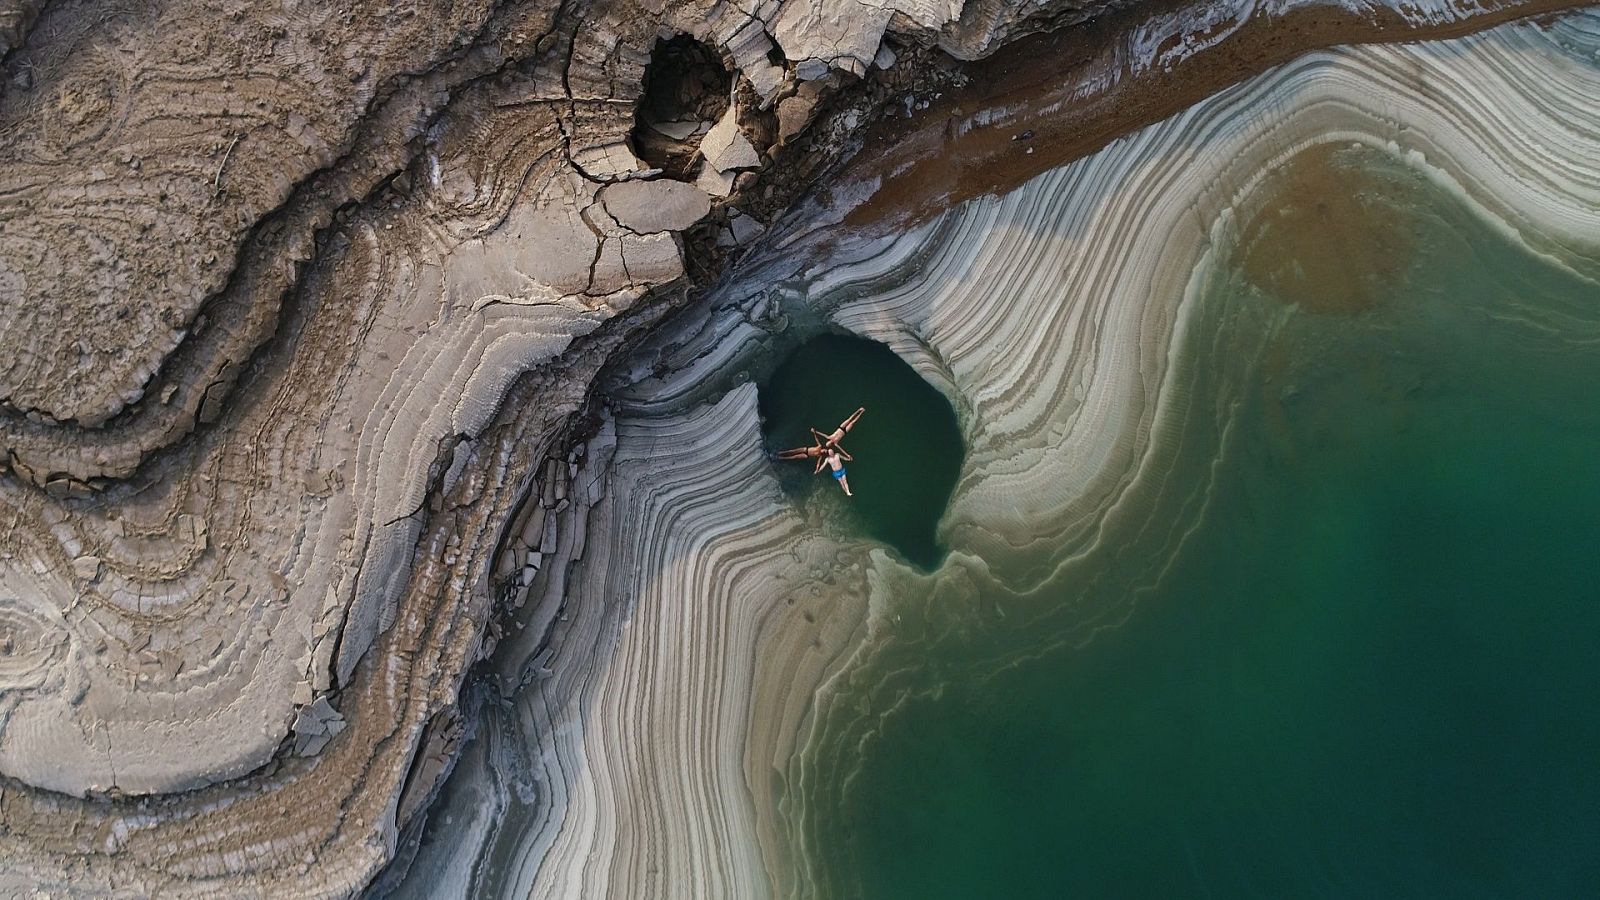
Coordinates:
x,y
827,451
832,458
833,438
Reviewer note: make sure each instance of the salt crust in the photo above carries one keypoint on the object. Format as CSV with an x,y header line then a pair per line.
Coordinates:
x,y
163,639
665,743
195,617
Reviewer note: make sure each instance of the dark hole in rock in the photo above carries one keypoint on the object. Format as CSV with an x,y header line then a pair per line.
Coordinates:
x,y
907,447
686,90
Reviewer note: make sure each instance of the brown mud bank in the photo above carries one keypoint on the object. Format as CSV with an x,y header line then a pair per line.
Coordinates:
x,y
1054,97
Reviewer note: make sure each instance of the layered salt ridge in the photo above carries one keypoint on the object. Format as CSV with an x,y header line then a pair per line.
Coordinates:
x,y
261,626
205,657
197,612
677,731
202,632
772,576
195,615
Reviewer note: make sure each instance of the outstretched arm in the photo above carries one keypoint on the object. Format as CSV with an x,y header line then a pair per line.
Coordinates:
x,y
821,461
843,454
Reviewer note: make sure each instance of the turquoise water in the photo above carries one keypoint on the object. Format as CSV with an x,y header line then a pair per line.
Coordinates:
x,y
1369,671
907,446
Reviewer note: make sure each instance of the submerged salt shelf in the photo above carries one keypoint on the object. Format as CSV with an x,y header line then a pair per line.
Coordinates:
x,y
701,695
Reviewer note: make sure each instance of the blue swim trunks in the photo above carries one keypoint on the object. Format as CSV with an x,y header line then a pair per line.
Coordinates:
x,y
839,473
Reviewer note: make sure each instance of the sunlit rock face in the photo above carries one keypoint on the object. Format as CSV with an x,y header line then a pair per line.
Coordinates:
x,y
727,634
306,306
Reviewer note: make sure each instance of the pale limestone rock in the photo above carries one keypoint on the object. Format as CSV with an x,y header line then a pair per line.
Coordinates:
x,y
610,160
838,34
812,69
744,228
315,726
725,147
717,184
658,205
682,129
749,47
86,567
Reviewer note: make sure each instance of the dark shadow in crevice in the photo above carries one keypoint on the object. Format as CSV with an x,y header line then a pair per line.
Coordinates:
x,y
686,90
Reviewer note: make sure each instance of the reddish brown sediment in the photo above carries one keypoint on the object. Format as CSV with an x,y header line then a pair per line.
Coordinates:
x,y
1078,89
1324,238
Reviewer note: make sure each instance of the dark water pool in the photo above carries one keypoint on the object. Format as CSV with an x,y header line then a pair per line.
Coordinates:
x,y
907,447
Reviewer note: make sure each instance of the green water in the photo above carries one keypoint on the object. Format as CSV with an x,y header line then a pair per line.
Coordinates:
x,y
907,447
1371,669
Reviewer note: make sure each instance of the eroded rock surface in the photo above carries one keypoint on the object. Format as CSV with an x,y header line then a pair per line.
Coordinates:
x,y
298,300
1055,318
304,306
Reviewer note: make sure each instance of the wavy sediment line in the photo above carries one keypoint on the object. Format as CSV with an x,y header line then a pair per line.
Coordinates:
x,y
687,745
1061,313
239,649
1076,90
1077,276
644,667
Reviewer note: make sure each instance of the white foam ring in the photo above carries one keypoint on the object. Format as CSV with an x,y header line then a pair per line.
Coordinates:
x,y
673,744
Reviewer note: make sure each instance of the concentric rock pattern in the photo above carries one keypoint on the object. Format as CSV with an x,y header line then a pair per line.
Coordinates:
x,y
298,300
304,304
716,626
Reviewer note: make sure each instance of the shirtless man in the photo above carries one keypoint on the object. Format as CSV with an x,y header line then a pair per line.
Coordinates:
x,y
825,449
822,443
831,458
822,451
833,438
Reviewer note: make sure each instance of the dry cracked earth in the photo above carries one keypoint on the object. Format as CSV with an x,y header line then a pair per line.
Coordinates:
x,y
303,308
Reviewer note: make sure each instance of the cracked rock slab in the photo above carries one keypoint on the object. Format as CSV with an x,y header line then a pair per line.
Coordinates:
x,y
725,147
653,206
